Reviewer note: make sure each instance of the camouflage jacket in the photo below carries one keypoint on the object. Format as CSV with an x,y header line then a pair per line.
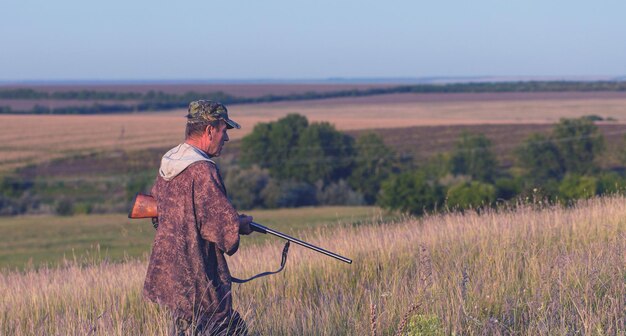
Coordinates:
x,y
197,225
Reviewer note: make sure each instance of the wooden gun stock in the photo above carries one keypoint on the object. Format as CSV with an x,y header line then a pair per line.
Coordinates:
x,y
144,206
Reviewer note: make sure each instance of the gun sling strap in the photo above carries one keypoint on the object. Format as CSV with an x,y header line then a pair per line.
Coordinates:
x,y
282,265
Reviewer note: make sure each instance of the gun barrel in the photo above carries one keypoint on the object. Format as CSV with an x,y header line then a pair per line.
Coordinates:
x,y
264,229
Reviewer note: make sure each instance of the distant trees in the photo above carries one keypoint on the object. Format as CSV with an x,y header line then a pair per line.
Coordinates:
x,y
151,100
473,156
246,186
541,159
411,192
292,162
434,185
373,163
273,145
323,154
313,163
563,163
559,166
291,148
579,142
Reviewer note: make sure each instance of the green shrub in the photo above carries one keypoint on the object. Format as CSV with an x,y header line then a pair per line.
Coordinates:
x,y
83,208
373,164
574,186
291,148
288,194
471,194
540,158
323,153
610,183
245,186
139,183
65,207
539,192
507,188
473,156
273,145
410,192
579,142
338,193
424,325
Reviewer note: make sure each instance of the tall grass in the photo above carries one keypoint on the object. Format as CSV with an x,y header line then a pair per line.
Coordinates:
x,y
552,271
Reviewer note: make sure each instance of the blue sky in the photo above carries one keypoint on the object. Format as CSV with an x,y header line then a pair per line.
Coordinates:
x,y
291,39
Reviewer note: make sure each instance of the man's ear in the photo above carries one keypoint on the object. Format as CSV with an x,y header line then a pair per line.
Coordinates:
x,y
208,131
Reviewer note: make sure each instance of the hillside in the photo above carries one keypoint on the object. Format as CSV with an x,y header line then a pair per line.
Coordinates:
x,y
532,271
104,181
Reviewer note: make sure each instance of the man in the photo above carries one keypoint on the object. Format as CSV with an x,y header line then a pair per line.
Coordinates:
x,y
187,272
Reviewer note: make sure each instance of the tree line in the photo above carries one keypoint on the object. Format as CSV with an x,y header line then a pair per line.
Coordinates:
x,y
291,162
159,100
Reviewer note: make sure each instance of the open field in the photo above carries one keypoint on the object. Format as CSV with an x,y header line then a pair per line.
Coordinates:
x,y
554,271
39,138
401,110
32,241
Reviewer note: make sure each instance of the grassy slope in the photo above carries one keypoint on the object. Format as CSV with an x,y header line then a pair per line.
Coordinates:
x,y
525,272
35,240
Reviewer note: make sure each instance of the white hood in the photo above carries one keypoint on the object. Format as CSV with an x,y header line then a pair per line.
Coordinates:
x,y
179,158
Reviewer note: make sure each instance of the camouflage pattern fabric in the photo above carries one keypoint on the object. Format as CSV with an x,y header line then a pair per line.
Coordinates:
x,y
207,110
187,271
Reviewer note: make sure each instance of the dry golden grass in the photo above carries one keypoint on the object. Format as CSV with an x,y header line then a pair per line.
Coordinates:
x,y
46,137
525,272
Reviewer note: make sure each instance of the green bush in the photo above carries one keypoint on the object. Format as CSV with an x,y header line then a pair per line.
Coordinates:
x,y
473,156
273,145
410,192
507,188
574,186
291,148
139,183
373,163
610,183
539,192
83,208
245,186
541,159
288,194
12,187
424,325
338,193
579,142
323,154
65,207
471,194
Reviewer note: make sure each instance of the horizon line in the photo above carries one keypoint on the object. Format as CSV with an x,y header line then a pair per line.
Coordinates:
x,y
328,80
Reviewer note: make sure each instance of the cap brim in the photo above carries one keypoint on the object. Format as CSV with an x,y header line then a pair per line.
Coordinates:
x,y
231,124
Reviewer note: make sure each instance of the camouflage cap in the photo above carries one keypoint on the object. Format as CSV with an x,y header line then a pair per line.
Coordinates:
x,y
208,110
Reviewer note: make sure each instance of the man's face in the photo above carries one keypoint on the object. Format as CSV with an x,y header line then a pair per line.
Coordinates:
x,y
217,136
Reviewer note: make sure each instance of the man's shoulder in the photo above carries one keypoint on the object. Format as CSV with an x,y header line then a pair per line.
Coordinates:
x,y
202,167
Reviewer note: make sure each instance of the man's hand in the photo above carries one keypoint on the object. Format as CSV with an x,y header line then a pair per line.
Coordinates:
x,y
244,224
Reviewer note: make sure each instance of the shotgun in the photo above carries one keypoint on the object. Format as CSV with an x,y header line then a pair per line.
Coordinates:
x,y
145,206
